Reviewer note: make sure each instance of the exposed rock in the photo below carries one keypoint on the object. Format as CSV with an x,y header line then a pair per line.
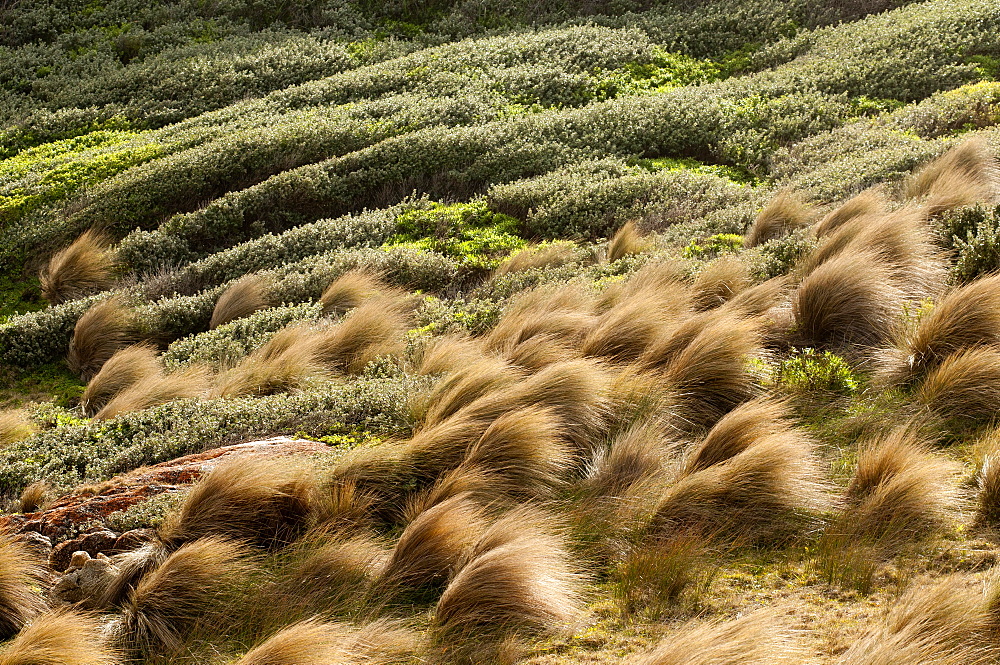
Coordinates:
x,y
90,543
127,490
84,581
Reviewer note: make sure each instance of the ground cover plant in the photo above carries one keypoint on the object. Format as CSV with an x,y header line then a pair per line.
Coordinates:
x,y
621,332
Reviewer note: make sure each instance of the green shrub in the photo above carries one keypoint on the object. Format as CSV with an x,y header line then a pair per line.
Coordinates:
x,y
713,246
974,235
809,370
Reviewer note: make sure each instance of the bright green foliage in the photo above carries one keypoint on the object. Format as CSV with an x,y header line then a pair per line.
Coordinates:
x,y
734,173
809,370
664,72
469,232
713,246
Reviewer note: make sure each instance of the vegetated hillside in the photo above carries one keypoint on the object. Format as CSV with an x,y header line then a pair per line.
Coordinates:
x,y
637,331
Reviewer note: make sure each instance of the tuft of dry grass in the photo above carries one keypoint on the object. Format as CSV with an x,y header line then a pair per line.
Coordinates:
x,y
312,642
964,387
34,496
447,354
192,586
102,330
538,256
848,300
988,481
759,299
636,457
155,390
132,566
20,574
651,578
245,296
783,214
635,323
564,311
966,174
868,204
350,290
15,425
336,573
720,281
61,638
541,351
756,639
289,363
740,429
626,242
374,328
127,367
465,385
767,492
265,502
83,268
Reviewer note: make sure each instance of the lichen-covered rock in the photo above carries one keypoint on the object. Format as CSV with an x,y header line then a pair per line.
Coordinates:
x,y
84,581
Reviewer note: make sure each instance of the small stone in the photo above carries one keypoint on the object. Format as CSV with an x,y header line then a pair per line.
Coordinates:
x,y
79,559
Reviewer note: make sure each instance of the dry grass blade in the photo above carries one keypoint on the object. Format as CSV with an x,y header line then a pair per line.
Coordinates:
x,y
20,574
867,204
465,385
720,281
15,425
243,297
538,256
757,639
263,501
153,391
626,242
102,330
350,290
192,586
964,387
374,328
126,368
265,372
738,430
783,214
83,268
60,638
34,496
968,173
757,300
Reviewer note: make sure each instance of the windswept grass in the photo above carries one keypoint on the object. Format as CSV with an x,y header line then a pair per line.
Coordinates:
x,y
83,268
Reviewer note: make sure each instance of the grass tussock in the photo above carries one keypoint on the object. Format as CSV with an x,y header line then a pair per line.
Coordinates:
x,y
565,312
720,281
244,297
314,642
635,323
849,300
289,363
758,299
83,268
866,205
34,496
350,290
20,575
447,354
103,330
548,255
652,579
15,425
61,638
636,458
964,387
756,639
463,386
129,366
192,587
988,481
968,173
374,328
785,212
541,351
265,502
738,430
333,574
626,242
155,390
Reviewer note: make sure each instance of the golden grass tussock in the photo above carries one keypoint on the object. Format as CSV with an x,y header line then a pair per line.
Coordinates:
x,y
34,496
740,429
757,300
868,204
547,255
635,323
518,580
988,480
756,639
102,330
187,383
626,242
245,296
447,354
465,385
15,425
20,574
964,387
132,565
946,623
264,501
767,492
350,290
474,482
637,457
61,637
720,281
337,572
900,492
849,300
83,268
785,213
267,372
193,586
314,642
432,546
127,367
366,480
565,311
374,328
966,174
541,351
965,317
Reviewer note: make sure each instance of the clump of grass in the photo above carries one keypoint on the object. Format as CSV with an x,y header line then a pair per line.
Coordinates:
x,y
964,387
988,481
126,368
15,425
652,577
336,573
309,642
34,496
635,323
244,297
720,281
866,205
374,328
538,256
756,639
740,429
20,574
783,214
265,502
286,362
155,390
83,268
61,638
758,299
968,173
447,354
102,330
350,290
626,242
465,385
